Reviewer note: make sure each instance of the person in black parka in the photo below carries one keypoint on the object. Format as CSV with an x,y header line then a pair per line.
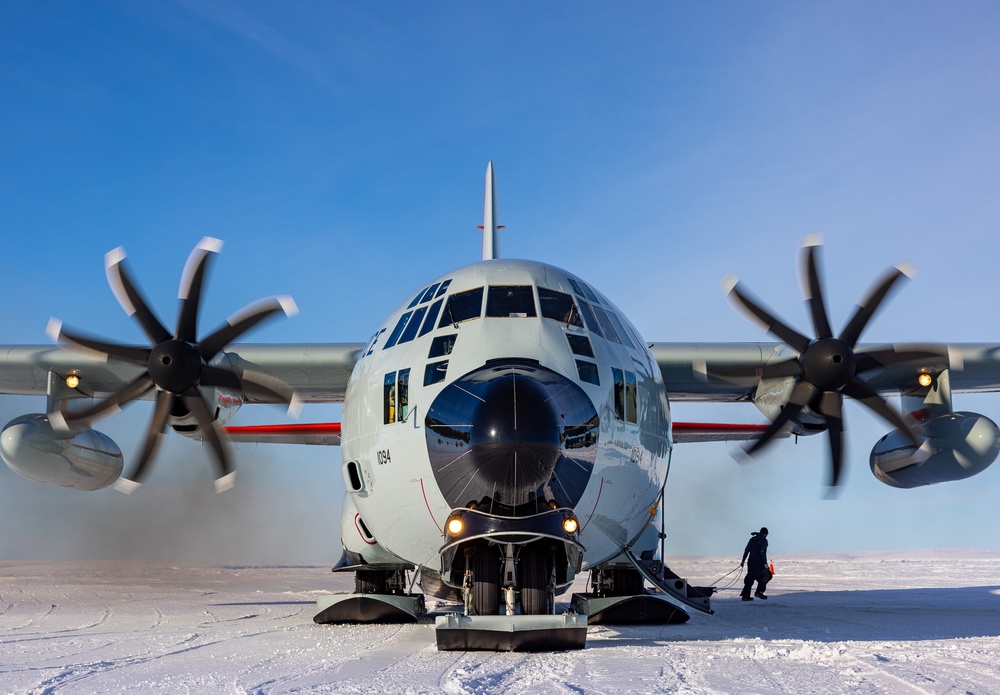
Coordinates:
x,y
755,558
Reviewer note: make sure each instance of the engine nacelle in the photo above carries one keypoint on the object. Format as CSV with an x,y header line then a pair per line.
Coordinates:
x,y
83,459
963,445
222,404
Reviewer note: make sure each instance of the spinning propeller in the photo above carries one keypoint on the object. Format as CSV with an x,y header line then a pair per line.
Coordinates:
x,y
177,365
827,368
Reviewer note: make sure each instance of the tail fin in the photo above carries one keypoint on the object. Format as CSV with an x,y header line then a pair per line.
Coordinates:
x,y
491,237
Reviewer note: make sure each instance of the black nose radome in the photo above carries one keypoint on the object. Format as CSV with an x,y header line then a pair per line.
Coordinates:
x,y
512,438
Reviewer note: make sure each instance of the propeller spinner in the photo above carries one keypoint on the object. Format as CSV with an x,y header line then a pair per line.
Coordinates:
x,y
827,367
178,364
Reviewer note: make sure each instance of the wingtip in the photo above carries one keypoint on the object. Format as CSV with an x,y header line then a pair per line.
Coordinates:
x,y
729,282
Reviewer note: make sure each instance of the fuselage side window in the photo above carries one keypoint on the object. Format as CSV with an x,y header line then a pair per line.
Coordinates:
x,y
559,307
510,301
431,318
590,319
442,346
403,389
411,328
619,378
398,330
631,398
389,399
463,306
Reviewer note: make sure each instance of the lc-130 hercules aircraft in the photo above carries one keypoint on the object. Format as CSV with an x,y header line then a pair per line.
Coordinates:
x,y
503,430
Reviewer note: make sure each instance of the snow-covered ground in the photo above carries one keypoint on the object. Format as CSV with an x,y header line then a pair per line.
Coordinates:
x,y
920,621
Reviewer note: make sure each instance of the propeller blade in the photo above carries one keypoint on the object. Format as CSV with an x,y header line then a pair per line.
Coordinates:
x,y
242,321
125,353
270,388
772,324
196,405
814,289
831,406
216,376
134,389
154,437
192,280
870,304
801,395
864,393
886,357
130,298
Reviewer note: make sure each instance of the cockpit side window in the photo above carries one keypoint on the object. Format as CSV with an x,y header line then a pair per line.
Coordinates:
x,y
431,318
398,330
411,328
463,306
559,307
429,294
590,319
510,301
620,329
443,288
442,345
609,330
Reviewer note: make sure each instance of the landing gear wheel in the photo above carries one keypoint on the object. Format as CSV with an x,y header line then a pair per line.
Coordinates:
x,y
371,582
627,583
534,581
485,563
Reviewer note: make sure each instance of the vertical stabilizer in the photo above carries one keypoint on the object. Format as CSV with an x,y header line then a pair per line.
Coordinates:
x,y
491,238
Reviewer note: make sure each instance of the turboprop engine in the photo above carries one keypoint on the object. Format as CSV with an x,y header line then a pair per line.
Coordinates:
x,y
963,445
82,459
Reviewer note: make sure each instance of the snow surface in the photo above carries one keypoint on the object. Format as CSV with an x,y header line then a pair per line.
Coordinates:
x,y
913,622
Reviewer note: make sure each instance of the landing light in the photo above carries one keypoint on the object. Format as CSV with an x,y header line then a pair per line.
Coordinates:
x,y
570,525
72,381
925,379
455,526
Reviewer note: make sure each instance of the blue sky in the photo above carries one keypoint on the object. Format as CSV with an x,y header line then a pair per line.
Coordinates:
x,y
339,150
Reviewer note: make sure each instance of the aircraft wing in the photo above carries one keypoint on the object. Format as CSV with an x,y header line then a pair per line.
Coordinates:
x,y
687,368
318,373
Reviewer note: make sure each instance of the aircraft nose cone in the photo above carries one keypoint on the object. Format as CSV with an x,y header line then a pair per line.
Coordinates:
x,y
514,438
511,438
